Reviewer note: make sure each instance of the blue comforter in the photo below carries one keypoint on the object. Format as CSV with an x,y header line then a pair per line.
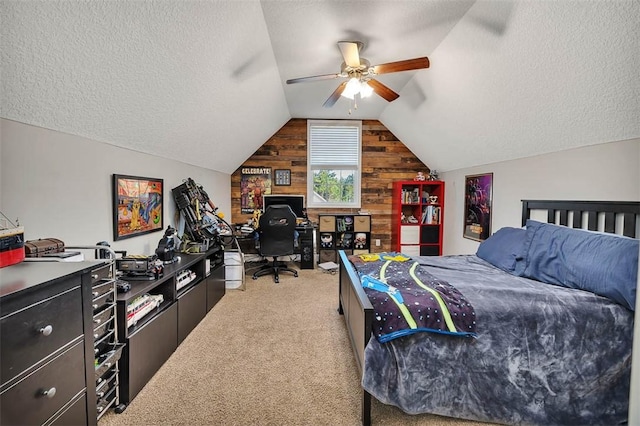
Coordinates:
x,y
545,354
407,299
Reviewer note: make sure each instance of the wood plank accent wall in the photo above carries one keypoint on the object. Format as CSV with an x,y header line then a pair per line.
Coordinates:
x,y
384,159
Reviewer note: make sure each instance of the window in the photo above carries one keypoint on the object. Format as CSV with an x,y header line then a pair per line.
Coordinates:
x,y
333,163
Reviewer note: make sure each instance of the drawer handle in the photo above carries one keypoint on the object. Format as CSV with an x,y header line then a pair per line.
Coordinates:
x,y
45,331
96,306
94,276
97,321
49,393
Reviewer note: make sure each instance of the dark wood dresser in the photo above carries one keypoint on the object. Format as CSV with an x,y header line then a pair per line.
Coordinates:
x,y
47,373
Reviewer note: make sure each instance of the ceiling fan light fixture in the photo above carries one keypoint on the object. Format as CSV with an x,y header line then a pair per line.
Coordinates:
x,y
365,90
360,74
352,88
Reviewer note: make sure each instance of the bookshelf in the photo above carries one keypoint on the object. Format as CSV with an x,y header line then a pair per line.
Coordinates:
x,y
417,217
348,232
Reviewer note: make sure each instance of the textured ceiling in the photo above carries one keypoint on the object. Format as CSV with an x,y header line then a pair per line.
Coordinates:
x,y
203,82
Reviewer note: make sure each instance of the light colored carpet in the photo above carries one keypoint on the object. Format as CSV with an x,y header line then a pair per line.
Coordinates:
x,y
274,354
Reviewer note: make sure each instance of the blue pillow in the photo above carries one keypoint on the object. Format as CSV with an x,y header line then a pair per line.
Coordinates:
x,y
503,249
602,264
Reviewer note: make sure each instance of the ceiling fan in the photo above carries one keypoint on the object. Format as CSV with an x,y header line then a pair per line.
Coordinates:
x,y
360,74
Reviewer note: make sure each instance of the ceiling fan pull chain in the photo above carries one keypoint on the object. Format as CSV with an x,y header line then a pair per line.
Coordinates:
x,y
355,104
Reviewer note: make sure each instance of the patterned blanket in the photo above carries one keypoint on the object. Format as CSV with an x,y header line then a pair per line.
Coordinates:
x,y
407,299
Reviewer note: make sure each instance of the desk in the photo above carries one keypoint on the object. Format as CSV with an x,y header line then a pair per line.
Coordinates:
x,y
306,245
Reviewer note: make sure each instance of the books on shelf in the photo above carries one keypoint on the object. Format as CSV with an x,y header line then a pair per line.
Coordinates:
x,y
413,196
410,196
431,215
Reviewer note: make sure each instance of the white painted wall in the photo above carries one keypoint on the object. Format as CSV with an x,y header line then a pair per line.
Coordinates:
x,y
59,185
608,171
602,172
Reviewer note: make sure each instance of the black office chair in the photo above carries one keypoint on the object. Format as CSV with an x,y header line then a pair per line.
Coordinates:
x,y
277,234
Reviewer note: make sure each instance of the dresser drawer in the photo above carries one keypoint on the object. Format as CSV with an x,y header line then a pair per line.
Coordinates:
x,y
104,315
99,303
33,333
105,344
101,274
101,330
101,288
76,414
104,385
62,379
106,401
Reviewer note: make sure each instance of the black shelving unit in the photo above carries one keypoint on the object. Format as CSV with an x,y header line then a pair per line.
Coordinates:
x,y
151,340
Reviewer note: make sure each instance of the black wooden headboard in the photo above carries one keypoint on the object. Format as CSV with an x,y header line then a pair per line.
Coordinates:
x,y
560,212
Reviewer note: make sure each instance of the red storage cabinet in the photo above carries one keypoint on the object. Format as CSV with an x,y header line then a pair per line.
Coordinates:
x,y
418,217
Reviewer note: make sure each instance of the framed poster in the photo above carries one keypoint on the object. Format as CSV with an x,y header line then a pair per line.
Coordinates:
x,y
137,206
254,183
477,206
282,177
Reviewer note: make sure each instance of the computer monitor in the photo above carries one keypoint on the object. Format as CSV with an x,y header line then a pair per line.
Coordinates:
x,y
296,202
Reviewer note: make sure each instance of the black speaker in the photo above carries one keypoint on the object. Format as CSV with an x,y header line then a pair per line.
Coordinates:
x,y
305,241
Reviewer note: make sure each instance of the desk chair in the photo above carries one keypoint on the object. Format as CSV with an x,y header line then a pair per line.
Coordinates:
x,y
276,234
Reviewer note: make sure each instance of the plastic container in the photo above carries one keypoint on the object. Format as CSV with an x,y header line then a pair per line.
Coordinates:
x,y
234,270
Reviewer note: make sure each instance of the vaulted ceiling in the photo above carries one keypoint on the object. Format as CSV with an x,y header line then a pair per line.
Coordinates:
x,y
203,82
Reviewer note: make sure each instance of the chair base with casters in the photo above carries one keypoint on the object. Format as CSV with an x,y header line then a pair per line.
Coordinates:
x,y
274,268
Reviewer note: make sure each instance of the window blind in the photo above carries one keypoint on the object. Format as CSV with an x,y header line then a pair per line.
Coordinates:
x,y
334,145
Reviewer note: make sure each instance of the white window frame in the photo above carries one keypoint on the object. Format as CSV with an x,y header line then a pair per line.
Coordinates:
x,y
357,167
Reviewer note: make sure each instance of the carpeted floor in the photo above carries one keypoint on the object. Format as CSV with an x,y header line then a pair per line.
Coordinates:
x,y
274,354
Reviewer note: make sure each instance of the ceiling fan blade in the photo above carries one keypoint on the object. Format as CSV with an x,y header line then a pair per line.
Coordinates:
x,y
383,91
350,52
335,95
313,78
406,65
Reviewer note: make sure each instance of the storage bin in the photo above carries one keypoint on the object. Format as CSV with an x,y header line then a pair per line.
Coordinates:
x,y
410,234
234,270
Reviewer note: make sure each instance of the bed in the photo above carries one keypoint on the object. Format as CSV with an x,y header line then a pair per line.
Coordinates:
x,y
552,344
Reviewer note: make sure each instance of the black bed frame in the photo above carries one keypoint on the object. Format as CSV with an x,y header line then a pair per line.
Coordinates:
x,y
358,312
559,212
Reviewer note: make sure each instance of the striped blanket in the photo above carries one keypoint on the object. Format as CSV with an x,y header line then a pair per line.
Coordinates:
x,y
407,299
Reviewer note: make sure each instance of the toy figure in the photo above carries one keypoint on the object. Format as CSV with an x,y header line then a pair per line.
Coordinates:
x,y
420,177
255,220
326,241
345,240
360,241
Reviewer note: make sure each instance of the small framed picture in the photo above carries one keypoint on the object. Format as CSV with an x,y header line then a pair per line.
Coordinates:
x,y
282,177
